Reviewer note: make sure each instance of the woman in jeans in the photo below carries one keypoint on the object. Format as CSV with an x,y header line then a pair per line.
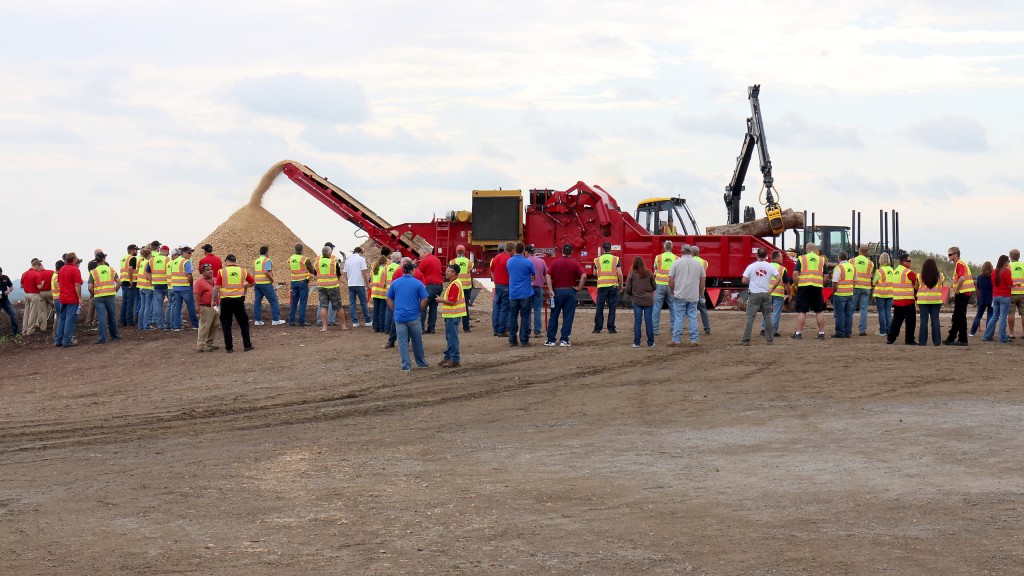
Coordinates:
x,y
1002,281
984,296
883,293
929,300
640,289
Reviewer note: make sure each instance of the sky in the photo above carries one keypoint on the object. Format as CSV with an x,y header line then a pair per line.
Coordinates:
x,y
128,121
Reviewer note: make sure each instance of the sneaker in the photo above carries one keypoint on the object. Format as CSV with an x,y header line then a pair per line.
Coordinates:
x,y
443,363
821,335
407,370
675,344
694,344
367,324
651,345
797,336
746,342
880,333
536,333
277,322
258,323
596,332
565,343
356,325
177,329
708,332
248,349
525,344
389,345
612,331
549,344
636,345
777,335
863,334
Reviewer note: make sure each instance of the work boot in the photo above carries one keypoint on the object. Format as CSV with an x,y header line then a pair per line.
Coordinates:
x,y
452,365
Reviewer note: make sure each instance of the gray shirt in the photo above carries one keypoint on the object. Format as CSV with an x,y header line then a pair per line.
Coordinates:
x,y
686,274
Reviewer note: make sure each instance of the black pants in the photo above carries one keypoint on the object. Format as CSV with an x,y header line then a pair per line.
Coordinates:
x,y
234,308
958,331
899,314
465,319
609,294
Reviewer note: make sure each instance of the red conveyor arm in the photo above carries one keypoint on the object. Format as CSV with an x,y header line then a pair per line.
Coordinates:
x,y
344,205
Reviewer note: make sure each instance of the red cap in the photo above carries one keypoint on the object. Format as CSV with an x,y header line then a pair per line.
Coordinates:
x,y
167,248
460,248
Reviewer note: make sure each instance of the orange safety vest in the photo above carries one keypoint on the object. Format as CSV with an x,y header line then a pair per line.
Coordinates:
x,y
103,281
847,277
297,266
389,275
662,264
926,295
902,287
465,276
158,266
179,278
55,287
127,272
327,275
141,280
811,271
259,272
232,282
458,309
377,282
606,266
968,285
865,271
780,286
883,282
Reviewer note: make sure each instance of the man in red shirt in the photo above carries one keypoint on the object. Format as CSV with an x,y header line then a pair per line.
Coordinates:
x,y
212,259
433,279
33,302
499,275
45,296
209,319
70,279
903,308
565,277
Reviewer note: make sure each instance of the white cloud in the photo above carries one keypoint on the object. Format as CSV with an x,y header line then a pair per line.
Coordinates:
x,y
300,97
950,133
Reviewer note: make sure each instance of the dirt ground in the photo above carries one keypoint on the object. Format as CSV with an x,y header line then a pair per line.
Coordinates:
x,y
314,454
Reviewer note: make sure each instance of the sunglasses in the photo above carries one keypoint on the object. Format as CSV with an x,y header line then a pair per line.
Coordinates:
x,y
951,254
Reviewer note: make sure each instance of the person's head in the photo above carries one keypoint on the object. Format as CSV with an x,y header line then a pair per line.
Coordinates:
x,y
385,251
863,251
101,258
357,250
460,250
396,257
425,251
810,248
520,247
639,266
208,248
407,266
776,256
510,246
36,264
155,245
884,260
56,266
329,246
186,252
667,246
326,250
381,261
207,271
687,250
145,253
1014,255
70,258
930,273
986,268
264,250
762,253
165,249
133,249
1003,262
843,255
695,250
953,253
530,249
566,249
606,247
298,248
905,261
230,260
452,271
97,252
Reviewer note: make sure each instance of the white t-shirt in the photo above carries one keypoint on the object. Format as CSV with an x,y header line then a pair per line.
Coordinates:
x,y
760,274
354,267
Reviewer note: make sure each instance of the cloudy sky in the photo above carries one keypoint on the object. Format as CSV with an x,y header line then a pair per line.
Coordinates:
x,y
128,121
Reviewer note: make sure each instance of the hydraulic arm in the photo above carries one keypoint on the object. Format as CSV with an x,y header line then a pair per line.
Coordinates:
x,y
754,138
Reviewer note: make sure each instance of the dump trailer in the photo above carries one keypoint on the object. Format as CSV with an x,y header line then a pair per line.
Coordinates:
x,y
583,216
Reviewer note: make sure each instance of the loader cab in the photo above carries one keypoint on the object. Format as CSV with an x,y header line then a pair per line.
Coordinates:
x,y
831,240
665,216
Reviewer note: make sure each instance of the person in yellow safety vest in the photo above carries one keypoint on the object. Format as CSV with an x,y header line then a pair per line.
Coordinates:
x,y
391,271
962,290
662,295
129,289
844,277
779,289
103,282
158,274
465,279
328,286
810,279
181,288
453,308
929,300
377,293
904,286
702,306
55,288
609,283
862,287
229,290
300,271
882,282
144,282
1016,292
263,271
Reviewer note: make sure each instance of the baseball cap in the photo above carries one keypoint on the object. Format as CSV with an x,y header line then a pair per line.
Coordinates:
x,y
133,247
530,248
101,256
329,244
186,249
460,248
165,248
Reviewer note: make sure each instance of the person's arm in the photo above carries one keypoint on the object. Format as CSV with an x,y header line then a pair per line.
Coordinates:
x,y
310,268
268,269
423,303
628,288
547,279
583,278
92,290
391,303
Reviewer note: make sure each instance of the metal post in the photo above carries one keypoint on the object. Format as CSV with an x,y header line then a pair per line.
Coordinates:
x,y
857,246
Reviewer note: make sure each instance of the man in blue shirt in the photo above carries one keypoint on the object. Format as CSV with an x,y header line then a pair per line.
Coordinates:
x,y
406,297
520,295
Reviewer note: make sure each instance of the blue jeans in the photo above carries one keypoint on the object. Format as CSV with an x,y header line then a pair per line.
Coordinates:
x,y
299,300
184,297
380,307
157,305
685,311
66,325
428,316
519,319
129,295
777,304
359,293
538,307
499,309
843,312
565,304
145,302
265,291
929,312
1001,306
609,295
983,309
106,315
884,306
451,336
662,295
8,307
389,319
643,314
410,331
702,307
862,298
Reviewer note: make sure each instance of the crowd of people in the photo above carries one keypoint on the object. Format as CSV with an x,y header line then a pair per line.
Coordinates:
x,y
405,295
